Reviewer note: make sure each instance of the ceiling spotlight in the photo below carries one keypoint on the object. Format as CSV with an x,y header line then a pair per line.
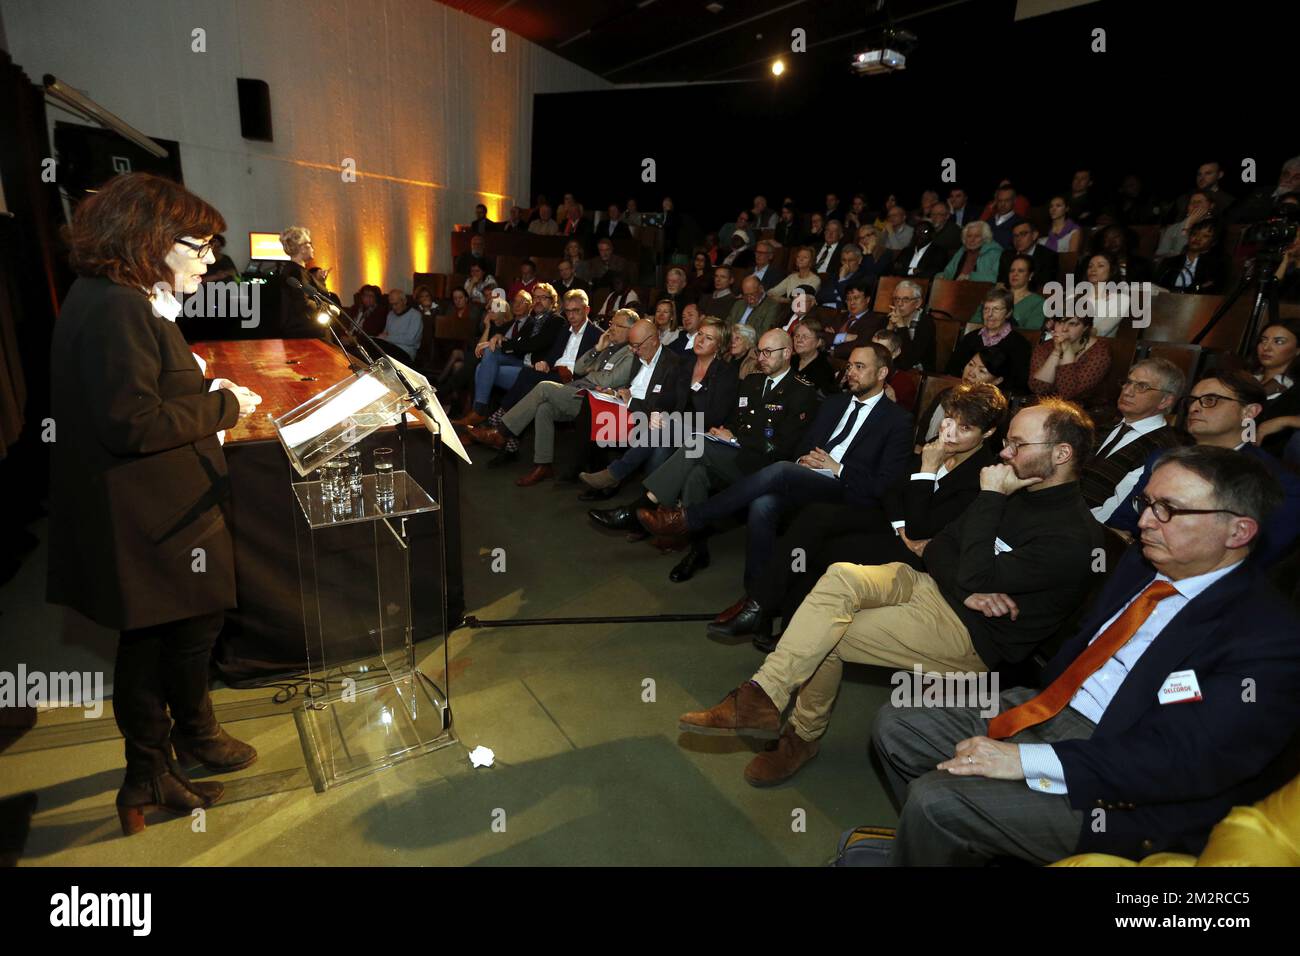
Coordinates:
x,y
778,67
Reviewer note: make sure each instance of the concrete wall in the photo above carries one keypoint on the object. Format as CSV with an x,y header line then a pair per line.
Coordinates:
x,y
409,89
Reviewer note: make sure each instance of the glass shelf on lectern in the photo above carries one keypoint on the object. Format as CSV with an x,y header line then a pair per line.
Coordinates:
x,y
408,499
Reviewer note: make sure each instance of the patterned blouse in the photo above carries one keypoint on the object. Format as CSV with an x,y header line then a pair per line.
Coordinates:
x,y
1076,381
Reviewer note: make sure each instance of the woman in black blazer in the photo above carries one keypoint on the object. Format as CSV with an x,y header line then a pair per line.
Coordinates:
x,y
810,362
138,535
297,312
945,483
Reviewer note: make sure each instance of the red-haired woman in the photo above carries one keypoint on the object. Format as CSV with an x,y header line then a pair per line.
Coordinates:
x,y
138,538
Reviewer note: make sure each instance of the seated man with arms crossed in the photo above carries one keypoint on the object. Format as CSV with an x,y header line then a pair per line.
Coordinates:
x,y
1169,707
997,583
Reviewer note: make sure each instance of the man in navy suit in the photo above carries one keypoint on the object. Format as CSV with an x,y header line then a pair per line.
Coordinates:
x,y
1221,412
855,449
1172,704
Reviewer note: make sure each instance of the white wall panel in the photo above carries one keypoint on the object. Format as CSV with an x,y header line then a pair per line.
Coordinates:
x,y
408,88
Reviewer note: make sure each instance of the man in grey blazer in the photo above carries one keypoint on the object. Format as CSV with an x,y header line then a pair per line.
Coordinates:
x,y
608,364
754,307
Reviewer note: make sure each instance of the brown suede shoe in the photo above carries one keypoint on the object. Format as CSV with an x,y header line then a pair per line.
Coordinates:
x,y
776,766
539,474
746,711
600,480
485,435
666,523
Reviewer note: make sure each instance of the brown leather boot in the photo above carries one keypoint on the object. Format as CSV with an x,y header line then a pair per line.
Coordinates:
x,y
210,745
170,790
746,711
776,766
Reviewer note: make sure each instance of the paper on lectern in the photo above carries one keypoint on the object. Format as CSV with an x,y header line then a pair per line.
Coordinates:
x,y
438,423
361,393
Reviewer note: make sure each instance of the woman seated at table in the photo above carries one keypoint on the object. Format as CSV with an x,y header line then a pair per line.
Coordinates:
x,y
1276,366
810,362
984,368
1072,364
996,332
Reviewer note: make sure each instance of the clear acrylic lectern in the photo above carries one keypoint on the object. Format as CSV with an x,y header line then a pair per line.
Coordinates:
x,y
367,706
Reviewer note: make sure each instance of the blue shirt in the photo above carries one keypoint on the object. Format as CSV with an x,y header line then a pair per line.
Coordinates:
x,y
405,330
1041,766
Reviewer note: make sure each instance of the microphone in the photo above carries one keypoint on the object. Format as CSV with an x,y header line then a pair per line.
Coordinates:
x,y
313,294
332,312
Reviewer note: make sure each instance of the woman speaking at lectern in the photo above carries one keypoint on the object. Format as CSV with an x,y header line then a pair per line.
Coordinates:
x,y
138,537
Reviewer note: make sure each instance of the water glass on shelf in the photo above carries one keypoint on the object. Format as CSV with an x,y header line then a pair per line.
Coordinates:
x,y
352,459
384,496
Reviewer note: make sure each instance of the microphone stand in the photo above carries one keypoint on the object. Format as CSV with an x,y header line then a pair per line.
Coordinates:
x,y
417,397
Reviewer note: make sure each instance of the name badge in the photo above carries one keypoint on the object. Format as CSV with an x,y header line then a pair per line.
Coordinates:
x,y
1000,547
1180,687
696,386
659,388
609,366
744,401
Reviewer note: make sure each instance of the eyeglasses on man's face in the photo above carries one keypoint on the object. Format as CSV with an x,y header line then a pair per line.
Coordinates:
x,y
903,299
1141,387
1166,512
771,352
1209,400
1013,446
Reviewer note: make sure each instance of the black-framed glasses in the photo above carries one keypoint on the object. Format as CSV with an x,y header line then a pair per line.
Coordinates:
x,y
1142,387
1015,446
1166,512
770,352
201,248
1209,400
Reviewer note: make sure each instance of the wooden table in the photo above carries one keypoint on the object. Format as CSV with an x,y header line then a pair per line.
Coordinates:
x,y
285,372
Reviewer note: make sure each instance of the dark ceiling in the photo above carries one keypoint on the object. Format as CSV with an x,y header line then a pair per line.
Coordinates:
x,y
658,41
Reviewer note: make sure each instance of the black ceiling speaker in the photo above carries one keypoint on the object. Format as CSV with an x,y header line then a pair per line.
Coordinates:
x,y
254,109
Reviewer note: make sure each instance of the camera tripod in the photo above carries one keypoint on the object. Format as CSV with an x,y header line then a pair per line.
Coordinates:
x,y
1261,271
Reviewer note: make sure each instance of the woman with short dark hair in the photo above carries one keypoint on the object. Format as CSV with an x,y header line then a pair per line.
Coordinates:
x,y
138,482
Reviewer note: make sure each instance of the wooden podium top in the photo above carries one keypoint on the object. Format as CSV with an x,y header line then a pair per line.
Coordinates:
x,y
275,369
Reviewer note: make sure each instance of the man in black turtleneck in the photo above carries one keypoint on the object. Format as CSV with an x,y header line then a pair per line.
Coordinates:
x,y
997,583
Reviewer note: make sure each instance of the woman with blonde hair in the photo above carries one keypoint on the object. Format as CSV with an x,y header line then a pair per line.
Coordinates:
x,y
297,312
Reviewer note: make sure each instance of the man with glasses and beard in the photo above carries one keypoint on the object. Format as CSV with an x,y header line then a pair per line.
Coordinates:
x,y
997,583
1221,411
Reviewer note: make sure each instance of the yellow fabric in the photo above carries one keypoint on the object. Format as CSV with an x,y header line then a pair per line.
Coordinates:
x,y
1266,834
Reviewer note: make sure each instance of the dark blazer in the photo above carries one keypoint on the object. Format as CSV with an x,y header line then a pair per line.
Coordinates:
x,y
744,259
932,261
949,237
770,430
1018,352
771,277
1164,775
621,231
927,509
581,230
919,349
297,313
138,479
1278,533
1285,405
715,396
820,373
1209,275
1002,233
835,287
878,455
536,338
788,234
863,326
590,336
664,393
1046,265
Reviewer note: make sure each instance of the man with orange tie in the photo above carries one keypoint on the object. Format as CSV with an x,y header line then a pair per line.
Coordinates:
x,y
1171,705
1027,543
